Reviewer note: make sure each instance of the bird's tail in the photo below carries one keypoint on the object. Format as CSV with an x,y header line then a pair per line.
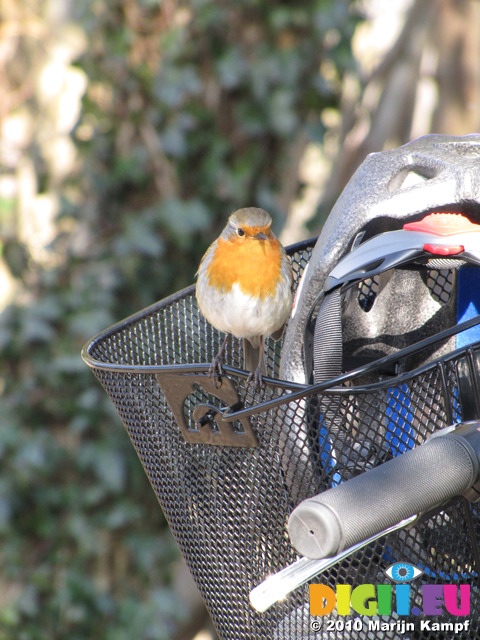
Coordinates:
x,y
253,356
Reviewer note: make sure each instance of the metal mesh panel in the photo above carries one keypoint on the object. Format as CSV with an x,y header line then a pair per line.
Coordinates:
x,y
440,283
228,506
367,292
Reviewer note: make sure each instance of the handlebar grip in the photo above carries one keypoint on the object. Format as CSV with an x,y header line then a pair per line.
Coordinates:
x,y
416,481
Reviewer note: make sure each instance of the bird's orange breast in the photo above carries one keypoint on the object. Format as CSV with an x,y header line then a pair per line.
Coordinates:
x,y
251,263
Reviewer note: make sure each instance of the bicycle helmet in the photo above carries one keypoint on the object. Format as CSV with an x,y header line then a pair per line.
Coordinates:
x,y
433,174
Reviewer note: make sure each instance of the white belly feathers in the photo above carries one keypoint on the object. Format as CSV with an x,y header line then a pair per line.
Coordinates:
x,y
243,315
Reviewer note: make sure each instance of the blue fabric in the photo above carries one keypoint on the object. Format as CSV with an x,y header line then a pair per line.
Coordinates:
x,y
468,304
400,434
327,454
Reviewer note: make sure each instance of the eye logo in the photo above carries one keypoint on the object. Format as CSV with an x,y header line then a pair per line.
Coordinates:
x,y
402,572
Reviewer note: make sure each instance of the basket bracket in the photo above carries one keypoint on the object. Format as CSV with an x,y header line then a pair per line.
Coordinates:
x,y
207,425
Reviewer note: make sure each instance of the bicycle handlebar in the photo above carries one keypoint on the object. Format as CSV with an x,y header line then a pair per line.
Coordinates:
x,y
424,478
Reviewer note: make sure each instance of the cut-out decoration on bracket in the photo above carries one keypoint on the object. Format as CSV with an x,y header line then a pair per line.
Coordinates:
x,y
207,426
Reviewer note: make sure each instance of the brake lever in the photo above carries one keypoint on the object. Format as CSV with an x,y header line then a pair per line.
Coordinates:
x,y
277,586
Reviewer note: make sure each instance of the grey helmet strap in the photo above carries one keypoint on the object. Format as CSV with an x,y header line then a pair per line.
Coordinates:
x,y
328,339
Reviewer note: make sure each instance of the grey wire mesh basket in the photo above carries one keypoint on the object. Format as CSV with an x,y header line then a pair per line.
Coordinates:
x,y
229,463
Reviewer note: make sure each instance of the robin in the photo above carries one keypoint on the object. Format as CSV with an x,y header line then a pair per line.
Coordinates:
x,y
244,287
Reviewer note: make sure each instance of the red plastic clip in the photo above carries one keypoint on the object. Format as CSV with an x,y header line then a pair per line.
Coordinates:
x,y
443,224
439,250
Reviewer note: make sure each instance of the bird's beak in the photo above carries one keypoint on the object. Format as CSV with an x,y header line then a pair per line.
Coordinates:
x,y
261,236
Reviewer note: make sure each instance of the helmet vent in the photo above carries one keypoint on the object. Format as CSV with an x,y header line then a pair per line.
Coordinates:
x,y
411,176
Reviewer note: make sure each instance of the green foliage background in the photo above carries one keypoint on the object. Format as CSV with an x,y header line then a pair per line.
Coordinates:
x,y
191,110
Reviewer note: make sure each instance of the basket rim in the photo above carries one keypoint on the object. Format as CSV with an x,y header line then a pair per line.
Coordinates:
x,y
334,386
93,363
291,390
297,389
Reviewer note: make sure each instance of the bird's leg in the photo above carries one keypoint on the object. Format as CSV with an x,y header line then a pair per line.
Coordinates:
x,y
216,369
257,375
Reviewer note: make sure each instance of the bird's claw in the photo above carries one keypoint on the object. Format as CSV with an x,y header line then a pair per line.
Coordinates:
x,y
257,378
216,371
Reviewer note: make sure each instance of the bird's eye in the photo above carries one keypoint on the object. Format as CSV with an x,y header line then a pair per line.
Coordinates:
x,y
240,232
